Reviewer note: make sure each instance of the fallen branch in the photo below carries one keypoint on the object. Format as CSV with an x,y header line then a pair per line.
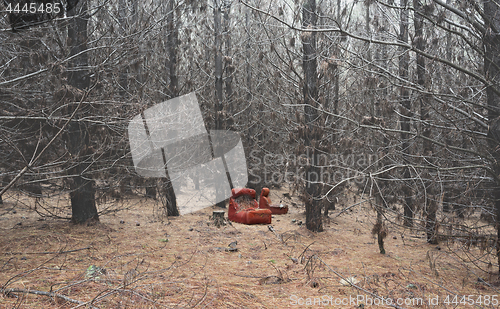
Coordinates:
x,y
49,294
301,256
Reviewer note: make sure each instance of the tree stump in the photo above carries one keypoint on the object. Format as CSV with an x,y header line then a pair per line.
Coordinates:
x,y
218,217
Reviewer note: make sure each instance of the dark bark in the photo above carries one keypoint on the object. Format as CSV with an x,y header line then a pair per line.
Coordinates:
x,y
248,56
77,42
82,186
218,63
172,46
173,86
381,145
310,91
336,90
491,42
124,91
170,201
405,111
431,206
219,107
229,60
254,181
330,205
122,79
381,229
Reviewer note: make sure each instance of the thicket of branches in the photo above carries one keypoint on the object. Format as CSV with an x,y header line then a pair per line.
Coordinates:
x,y
397,99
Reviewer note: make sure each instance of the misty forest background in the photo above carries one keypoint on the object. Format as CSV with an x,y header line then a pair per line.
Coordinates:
x,y
400,98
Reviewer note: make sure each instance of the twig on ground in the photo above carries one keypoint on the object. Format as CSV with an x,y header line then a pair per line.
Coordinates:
x,y
303,252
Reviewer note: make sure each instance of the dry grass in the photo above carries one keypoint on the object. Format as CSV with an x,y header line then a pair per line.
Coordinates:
x,y
182,262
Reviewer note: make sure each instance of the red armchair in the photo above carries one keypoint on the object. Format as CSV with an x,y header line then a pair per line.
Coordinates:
x,y
243,208
265,203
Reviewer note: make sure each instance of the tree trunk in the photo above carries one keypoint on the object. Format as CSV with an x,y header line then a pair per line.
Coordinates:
x,y
170,200
381,145
248,57
310,91
172,46
82,188
430,210
405,111
229,59
491,42
336,89
218,64
219,108
122,79
254,180
380,228
335,106
173,86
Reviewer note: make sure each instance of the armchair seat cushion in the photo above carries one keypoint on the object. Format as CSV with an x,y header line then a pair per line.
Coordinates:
x,y
243,208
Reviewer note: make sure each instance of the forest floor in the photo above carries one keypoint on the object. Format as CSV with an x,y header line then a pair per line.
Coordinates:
x,y
132,259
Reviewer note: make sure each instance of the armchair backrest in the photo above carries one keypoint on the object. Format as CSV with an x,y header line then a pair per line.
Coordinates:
x,y
265,200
